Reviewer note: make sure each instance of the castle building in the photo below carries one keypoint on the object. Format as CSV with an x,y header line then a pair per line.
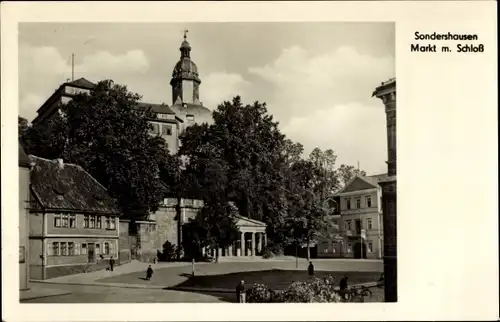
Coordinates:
x,y
186,108
387,93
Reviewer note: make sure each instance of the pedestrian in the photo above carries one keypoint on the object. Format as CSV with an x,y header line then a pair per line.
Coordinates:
x,y
241,292
111,263
149,273
310,269
343,286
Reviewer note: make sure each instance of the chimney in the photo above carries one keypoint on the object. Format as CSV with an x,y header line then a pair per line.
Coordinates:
x,y
60,164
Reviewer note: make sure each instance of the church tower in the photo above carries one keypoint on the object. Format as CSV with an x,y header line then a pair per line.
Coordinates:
x,y
185,79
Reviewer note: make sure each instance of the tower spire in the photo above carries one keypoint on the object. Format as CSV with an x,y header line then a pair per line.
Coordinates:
x,y
185,33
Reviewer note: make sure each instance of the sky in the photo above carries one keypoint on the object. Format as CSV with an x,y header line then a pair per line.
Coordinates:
x,y
317,78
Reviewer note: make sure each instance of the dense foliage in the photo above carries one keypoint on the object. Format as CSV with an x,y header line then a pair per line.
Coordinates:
x,y
106,134
315,290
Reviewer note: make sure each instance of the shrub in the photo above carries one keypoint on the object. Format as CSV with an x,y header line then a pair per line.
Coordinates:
x,y
169,252
259,293
272,250
317,290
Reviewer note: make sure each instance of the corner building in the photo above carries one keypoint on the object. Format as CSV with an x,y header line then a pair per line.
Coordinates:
x,y
387,93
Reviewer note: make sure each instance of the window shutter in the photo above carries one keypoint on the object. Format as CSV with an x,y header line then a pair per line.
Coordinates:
x,y
77,249
50,249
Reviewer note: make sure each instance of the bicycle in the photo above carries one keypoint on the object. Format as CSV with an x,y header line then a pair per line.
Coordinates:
x,y
353,294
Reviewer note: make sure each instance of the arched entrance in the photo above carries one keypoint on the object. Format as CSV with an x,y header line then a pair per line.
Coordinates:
x,y
360,250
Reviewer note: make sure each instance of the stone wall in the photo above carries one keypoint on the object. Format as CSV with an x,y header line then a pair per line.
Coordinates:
x,y
163,226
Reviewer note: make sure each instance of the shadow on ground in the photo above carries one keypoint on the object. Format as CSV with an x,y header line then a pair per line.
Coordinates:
x,y
276,279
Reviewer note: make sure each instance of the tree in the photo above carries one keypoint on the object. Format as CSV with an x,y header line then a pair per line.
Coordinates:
x,y
109,136
348,172
247,140
306,220
325,180
22,126
215,225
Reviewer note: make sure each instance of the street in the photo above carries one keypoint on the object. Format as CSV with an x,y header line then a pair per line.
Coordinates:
x,y
107,294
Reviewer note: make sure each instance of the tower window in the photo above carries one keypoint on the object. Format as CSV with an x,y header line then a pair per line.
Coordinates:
x,y
166,129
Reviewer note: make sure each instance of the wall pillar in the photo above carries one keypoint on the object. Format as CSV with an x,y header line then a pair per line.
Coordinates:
x,y
253,244
242,245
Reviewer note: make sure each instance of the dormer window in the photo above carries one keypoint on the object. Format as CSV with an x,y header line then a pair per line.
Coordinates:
x,y
190,118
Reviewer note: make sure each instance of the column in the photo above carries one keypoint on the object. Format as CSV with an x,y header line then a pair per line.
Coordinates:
x,y
230,251
220,252
265,239
253,244
203,250
242,246
259,244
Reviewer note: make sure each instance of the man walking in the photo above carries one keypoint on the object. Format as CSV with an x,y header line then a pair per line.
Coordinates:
x,y
111,263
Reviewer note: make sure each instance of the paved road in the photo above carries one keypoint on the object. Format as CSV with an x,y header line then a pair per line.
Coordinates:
x,y
105,294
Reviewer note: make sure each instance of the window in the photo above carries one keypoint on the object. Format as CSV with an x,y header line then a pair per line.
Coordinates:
x,y
64,249
156,128
370,247
72,221
358,203
166,129
112,248
57,220
348,203
92,221
84,249
369,201
99,222
97,248
71,249
55,249
110,223
86,221
65,220
347,225
369,223
190,118
106,248
349,248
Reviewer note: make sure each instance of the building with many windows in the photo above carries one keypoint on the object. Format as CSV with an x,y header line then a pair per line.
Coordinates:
x,y
361,217
170,121
357,221
73,225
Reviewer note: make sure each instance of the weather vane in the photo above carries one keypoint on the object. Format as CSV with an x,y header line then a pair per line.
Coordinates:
x,y
185,33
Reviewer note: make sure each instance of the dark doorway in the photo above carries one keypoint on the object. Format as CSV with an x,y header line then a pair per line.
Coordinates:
x,y
360,250
91,253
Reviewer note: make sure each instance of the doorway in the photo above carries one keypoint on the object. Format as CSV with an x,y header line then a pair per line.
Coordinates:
x,y
91,253
360,250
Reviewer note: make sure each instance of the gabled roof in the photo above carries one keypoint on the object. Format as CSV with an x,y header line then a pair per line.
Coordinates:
x,y
68,187
82,83
245,221
359,183
157,108
24,161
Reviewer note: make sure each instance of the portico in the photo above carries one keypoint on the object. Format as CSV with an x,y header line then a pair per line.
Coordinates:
x,y
252,239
